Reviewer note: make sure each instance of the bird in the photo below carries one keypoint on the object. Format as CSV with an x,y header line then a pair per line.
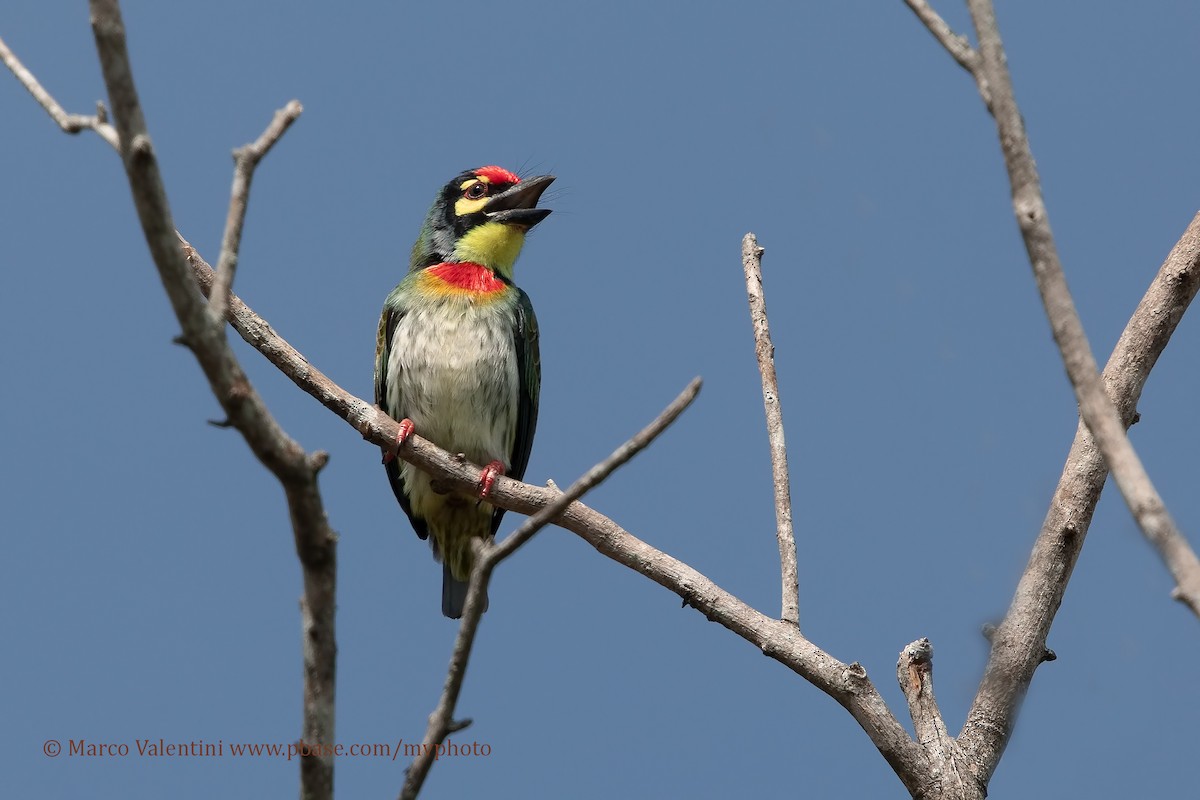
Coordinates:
x,y
457,360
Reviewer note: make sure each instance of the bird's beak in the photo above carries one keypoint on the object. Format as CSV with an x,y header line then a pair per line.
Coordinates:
x,y
518,205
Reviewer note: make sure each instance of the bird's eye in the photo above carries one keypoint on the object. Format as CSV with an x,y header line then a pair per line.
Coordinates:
x,y
475,191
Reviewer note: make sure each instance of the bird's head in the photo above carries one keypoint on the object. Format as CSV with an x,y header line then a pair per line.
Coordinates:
x,y
481,216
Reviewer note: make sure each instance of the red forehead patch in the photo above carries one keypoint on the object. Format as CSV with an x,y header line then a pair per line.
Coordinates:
x,y
497,175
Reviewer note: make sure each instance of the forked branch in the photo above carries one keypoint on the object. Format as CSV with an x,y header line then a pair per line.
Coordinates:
x,y
1107,407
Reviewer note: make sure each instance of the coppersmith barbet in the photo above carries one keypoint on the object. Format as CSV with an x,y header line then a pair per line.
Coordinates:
x,y
457,360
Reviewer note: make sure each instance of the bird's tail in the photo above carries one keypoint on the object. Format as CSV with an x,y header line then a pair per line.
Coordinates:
x,y
454,594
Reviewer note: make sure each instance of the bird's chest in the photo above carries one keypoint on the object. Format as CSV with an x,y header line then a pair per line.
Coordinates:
x,y
453,370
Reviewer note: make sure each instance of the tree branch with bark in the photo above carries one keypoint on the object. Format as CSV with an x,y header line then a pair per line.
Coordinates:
x,y
204,335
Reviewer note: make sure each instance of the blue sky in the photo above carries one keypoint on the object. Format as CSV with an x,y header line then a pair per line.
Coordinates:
x,y
149,570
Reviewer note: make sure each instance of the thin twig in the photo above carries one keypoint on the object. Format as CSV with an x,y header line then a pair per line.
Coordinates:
x,y
71,123
295,469
441,722
848,684
246,159
592,478
1095,407
764,350
956,45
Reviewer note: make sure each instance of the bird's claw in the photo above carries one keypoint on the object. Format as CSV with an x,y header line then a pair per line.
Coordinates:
x,y
488,477
406,430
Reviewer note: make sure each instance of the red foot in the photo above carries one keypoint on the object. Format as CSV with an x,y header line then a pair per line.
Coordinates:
x,y
488,477
406,430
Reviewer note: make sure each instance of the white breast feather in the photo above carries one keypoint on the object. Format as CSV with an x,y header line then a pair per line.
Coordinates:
x,y
458,384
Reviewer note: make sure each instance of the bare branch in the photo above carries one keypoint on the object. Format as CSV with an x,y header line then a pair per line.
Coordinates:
x,y
848,684
765,351
1019,643
488,556
71,123
246,159
1095,407
296,471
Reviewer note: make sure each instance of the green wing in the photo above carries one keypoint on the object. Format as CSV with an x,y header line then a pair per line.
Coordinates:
x,y
383,348
529,384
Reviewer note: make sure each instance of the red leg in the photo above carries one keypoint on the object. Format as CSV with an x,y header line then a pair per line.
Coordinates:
x,y
488,477
406,430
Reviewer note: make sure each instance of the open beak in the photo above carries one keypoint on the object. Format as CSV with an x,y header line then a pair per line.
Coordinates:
x,y
518,205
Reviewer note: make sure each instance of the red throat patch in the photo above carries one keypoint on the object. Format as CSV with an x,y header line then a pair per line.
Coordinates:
x,y
468,277
496,174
